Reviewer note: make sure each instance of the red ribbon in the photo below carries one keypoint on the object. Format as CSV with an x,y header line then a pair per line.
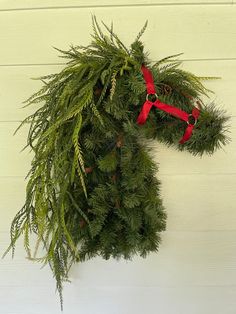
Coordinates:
x,y
176,112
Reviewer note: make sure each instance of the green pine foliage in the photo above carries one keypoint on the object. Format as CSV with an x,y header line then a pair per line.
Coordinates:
x,y
92,188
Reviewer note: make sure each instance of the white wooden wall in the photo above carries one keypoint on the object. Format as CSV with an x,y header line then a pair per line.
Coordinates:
x,y
195,270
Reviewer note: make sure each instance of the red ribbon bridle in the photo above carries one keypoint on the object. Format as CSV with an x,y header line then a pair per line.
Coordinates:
x,y
176,112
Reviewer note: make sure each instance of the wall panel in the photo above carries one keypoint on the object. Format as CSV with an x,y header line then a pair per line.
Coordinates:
x,y
36,4
28,38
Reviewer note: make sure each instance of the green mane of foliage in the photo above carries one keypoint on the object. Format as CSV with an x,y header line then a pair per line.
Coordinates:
x,y
92,188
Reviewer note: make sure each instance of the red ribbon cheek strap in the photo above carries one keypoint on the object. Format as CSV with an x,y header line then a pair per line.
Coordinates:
x,y
189,130
176,112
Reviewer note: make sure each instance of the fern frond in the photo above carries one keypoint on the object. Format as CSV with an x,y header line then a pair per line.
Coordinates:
x,y
167,59
140,34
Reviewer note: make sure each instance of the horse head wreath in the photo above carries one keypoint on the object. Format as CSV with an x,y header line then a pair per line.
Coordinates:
x,y
92,188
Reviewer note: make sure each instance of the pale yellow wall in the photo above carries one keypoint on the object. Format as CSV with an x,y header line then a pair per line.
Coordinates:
x,y
195,270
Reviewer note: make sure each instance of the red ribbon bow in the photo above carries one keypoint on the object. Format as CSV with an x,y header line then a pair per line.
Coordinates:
x,y
176,112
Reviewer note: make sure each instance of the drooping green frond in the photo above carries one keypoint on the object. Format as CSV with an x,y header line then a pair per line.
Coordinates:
x,y
140,34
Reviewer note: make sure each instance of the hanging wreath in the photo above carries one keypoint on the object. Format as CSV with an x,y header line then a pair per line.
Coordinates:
x,y
92,187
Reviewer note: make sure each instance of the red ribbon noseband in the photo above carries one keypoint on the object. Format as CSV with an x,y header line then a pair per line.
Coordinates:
x,y
176,112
